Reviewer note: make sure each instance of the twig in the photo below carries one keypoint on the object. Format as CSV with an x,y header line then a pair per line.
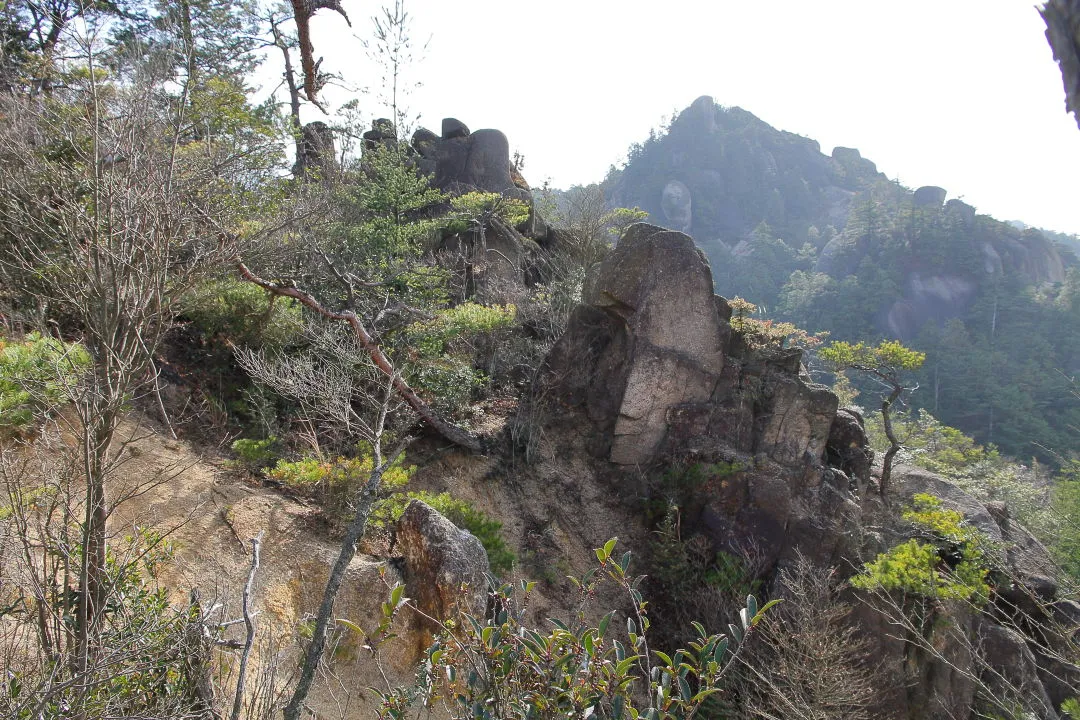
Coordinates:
x,y
249,623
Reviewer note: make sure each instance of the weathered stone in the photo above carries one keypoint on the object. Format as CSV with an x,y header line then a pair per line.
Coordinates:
x,y
444,566
657,382
316,150
1060,678
451,157
797,428
930,196
961,212
454,128
703,111
848,447
382,132
661,285
487,166
1013,672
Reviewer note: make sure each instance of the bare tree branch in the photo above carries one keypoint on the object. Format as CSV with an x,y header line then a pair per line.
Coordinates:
x,y
451,432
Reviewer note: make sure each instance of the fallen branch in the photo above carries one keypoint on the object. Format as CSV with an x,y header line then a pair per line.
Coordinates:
x,y
451,432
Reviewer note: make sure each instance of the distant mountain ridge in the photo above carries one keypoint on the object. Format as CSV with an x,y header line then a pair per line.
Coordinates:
x,y
830,243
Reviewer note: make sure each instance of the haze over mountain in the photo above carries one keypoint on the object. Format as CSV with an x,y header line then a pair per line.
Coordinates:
x,y
827,241
961,94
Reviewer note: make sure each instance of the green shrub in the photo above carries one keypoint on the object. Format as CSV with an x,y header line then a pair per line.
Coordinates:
x,y
255,455
459,512
149,668
334,483
917,566
461,322
498,666
447,382
1071,707
693,581
243,313
37,374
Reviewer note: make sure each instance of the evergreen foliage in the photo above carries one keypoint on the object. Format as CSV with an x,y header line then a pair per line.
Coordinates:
x,y
37,375
947,563
499,666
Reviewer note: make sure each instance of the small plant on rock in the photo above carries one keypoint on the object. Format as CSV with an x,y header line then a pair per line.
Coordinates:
x,y
948,562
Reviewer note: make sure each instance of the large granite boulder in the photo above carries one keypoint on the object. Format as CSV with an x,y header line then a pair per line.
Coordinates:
x,y
930,196
445,566
469,161
660,342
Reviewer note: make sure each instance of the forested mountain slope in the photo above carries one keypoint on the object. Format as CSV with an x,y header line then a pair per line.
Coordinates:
x,y
830,243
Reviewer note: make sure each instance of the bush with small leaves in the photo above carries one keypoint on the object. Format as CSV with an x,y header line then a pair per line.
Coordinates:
x,y
499,667
254,455
37,374
948,562
242,313
148,671
335,482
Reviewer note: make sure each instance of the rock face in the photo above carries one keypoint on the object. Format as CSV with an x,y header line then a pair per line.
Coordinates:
x,y
444,566
651,361
1063,33
652,376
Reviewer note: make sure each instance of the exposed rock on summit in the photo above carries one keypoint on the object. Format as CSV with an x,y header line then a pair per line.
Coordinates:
x,y
651,361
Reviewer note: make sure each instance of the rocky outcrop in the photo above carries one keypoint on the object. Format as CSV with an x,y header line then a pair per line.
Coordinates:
x,y
656,378
315,150
1063,33
464,161
652,363
445,567
929,196
848,447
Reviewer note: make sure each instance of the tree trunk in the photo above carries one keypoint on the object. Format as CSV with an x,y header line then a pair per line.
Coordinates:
x,y
894,444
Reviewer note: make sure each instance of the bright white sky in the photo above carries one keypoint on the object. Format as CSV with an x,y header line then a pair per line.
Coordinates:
x,y
958,93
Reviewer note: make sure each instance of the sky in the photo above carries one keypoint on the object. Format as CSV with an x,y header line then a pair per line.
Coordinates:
x,y
963,94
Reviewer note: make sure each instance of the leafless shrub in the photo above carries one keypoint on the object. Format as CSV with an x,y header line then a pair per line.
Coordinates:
x,y
809,659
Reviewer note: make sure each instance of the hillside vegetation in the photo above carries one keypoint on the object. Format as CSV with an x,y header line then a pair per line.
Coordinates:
x,y
346,421
829,243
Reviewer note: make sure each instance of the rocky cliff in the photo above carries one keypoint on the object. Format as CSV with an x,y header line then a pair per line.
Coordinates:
x,y
652,375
